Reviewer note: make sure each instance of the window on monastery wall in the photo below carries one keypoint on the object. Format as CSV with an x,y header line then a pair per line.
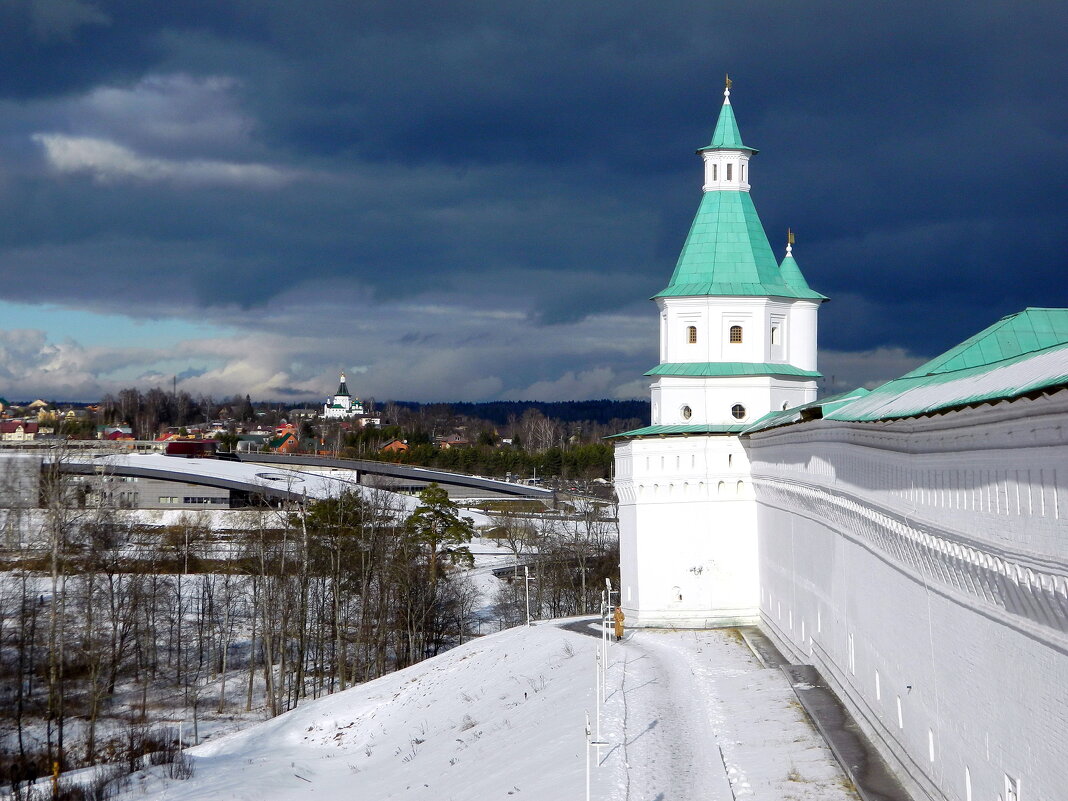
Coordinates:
x,y
776,336
729,171
738,411
686,412
714,171
691,334
736,334
742,168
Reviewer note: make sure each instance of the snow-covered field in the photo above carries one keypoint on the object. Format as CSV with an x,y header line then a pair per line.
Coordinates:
x,y
688,715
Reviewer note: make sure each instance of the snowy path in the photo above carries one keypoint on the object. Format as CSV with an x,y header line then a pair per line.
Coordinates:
x,y
697,717
668,748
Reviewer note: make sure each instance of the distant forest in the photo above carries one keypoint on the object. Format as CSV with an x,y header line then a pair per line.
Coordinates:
x,y
500,412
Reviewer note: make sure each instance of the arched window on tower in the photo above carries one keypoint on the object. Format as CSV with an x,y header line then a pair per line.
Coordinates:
x,y
729,165
736,334
715,170
691,334
742,168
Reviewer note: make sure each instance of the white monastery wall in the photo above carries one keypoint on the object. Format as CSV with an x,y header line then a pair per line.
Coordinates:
x,y
922,566
691,499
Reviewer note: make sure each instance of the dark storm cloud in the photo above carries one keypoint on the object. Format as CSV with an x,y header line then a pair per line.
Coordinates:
x,y
211,159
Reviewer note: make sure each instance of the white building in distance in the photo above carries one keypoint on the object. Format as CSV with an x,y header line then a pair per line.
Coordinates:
x,y
910,543
342,406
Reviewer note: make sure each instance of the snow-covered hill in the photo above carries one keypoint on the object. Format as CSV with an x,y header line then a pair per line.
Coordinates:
x,y
503,716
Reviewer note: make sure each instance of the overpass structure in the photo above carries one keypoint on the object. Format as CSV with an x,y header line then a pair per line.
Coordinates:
x,y
418,476
280,484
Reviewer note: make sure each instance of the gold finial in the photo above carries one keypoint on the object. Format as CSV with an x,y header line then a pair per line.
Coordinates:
x,y
789,237
729,82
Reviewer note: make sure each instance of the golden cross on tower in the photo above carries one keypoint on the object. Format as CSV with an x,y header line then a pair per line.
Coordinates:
x,y
729,81
789,237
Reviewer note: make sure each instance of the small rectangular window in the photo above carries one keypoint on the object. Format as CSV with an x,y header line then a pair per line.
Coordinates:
x,y
714,171
775,338
691,334
729,171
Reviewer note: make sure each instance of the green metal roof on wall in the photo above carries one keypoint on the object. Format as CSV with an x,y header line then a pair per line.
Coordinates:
x,y
826,405
707,369
727,253
699,428
1022,354
1028,331
1011,378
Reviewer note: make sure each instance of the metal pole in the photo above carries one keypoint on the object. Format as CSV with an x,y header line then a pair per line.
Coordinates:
x,y
597,700
587,755
526,586
604,662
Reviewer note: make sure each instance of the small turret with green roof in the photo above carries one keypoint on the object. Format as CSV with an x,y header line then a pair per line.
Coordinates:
x,y
791,273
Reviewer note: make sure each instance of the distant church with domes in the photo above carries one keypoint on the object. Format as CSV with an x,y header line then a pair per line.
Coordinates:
x,y
910,541
342,405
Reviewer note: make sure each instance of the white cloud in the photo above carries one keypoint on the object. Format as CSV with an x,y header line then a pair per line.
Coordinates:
x,y
109,162
164,111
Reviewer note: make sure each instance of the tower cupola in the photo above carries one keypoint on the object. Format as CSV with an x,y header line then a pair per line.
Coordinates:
x,y
726,157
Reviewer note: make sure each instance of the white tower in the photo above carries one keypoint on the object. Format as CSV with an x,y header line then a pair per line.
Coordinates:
x,y
737,341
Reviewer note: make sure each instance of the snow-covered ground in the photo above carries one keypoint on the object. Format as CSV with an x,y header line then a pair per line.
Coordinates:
x,y
688,715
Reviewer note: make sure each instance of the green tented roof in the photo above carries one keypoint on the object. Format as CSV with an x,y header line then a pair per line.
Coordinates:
x,y
1024,332
791,274
654,431
727,136
728,253
707,369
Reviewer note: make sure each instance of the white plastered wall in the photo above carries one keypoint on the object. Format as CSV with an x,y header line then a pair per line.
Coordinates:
x,y
713,317
687,532
922,566
711,402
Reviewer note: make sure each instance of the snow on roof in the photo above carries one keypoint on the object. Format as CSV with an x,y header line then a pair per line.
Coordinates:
x,y
1021,354
909,397
252,477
